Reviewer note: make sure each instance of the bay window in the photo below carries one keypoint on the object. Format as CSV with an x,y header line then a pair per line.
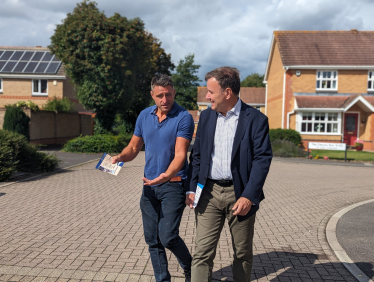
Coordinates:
x,y
319,122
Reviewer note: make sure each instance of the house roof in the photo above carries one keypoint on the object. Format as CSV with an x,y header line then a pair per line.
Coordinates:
x,y
29,61
249,95
194,114
314,102
335,48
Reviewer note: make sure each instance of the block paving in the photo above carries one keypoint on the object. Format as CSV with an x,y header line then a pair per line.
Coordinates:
x,y
85,225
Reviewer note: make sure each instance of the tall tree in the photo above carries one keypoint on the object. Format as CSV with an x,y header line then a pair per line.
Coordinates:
x,y
186,82
111,60
253,80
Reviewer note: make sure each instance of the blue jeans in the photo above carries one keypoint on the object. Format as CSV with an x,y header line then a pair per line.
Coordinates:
x,y
162,208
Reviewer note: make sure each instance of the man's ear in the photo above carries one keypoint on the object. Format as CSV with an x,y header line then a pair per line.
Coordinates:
x,y
228,93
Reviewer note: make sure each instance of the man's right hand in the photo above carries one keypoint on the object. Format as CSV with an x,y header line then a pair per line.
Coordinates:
x,y
115,159
190,198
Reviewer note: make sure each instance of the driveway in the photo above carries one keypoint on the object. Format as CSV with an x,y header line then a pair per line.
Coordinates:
x,y
85,225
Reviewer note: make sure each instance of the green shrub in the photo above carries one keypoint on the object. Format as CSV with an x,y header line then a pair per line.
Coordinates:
x,y
17,154
16,120
285,134
97,144
27,105
63,105
287,149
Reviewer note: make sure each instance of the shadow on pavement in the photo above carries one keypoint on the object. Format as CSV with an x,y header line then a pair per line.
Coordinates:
x,y
2,194
296,265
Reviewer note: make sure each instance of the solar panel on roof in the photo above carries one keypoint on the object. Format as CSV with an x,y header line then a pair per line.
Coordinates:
x,y
2,63
7,55
30,67
52,68
1,52
47,57
41,68
37,56
17,55
55,59
9,66
19,68
27,56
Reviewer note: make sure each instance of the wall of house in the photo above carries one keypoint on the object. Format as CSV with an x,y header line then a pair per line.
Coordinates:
x,y
275,90
369,145
349,81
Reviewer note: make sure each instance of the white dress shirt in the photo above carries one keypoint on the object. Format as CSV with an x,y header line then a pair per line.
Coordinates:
x,y
220,162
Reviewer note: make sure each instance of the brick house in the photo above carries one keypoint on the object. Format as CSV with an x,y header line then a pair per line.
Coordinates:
x,y
321,83
33,73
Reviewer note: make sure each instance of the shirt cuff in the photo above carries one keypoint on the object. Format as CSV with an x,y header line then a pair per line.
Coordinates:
x,y
190,192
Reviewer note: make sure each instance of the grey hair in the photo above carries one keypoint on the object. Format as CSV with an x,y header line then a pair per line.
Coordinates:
x,y
227,77
161,80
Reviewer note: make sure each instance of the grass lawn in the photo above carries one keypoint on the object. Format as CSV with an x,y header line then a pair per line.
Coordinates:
x,y
339,155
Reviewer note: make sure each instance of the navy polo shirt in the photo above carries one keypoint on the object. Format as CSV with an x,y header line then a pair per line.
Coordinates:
x,y
160,137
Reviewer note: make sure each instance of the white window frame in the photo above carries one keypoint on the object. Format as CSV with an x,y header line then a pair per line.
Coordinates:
x,y
1,85
300,121
371,79
39,86
331,79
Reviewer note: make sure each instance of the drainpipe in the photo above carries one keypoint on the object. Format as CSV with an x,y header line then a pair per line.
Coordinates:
x,y
284,95
266,98
288,119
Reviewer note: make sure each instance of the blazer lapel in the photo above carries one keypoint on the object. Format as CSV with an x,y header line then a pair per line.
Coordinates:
x,y
240,130
211,130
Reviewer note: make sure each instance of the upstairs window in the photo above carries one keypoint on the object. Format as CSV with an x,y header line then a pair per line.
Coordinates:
x,y
318,122
327,80
1,85
371,81
40,87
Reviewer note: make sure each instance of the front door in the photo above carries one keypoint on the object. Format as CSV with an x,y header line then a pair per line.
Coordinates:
x,y
350,128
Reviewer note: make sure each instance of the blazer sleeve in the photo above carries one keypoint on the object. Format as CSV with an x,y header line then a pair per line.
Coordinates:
x,y
194,165
262,156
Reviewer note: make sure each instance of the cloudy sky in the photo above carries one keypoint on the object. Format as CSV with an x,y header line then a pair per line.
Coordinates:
x,y
219,32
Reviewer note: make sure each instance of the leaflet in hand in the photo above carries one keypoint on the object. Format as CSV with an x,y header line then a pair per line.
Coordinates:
x,y
199,189
105,164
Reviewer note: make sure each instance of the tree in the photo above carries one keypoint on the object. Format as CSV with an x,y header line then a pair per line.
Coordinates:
x,y
253,80
110,60
16,120
186,82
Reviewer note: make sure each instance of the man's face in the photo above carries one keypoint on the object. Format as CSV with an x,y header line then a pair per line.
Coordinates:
x,y
163,97
216,95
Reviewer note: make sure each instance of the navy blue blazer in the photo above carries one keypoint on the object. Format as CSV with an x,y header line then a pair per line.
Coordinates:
x,y
251,154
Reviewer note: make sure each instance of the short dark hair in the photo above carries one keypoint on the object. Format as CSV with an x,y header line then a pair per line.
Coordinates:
x,y
161,80
227,77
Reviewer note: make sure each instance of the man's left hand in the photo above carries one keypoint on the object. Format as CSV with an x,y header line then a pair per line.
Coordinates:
x,y
162,178
242,206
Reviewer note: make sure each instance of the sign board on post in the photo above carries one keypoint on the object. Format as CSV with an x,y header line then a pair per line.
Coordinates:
x,y
329,146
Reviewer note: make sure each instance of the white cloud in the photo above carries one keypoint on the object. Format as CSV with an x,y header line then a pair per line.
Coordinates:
x,y
235,33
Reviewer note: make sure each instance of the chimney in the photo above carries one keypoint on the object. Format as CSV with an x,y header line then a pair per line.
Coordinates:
x,y
354,30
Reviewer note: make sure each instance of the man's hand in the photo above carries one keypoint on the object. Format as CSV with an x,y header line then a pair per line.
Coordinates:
x,y
162,178
242,206
190,198
115,159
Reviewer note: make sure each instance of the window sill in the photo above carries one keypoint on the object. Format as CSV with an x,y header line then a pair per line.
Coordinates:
x,y
40,94
327,90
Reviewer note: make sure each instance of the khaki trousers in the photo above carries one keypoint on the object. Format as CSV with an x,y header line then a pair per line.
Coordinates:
x,y
215,205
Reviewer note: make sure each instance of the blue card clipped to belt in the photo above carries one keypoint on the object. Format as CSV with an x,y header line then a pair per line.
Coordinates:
x,y
199,190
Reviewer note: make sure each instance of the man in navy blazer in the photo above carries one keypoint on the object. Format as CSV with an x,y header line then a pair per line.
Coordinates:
x,y
230,160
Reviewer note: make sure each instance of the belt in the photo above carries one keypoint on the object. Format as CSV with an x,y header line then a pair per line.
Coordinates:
x,y
176,179
222,182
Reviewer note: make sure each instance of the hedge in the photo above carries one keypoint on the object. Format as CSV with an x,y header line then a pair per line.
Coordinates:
x,y
17,154
285,134
97,144
16,120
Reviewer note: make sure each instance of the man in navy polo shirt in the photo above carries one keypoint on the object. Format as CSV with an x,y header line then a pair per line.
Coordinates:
x,y
166,130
